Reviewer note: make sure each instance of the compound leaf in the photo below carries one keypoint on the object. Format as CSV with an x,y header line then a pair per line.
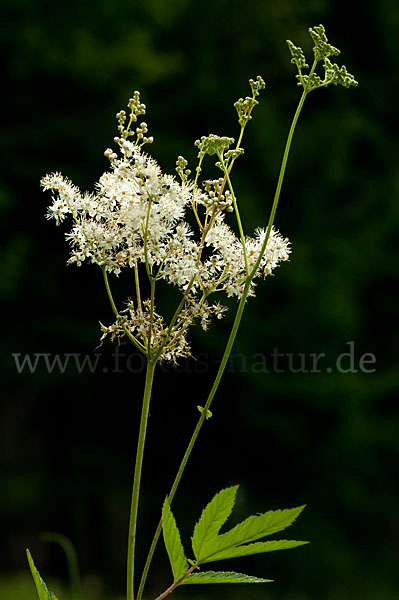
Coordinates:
x,y
205,536
222,577
256,548
174,547
41,587
252,529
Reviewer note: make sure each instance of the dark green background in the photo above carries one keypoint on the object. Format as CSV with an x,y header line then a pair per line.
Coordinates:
x,y
325,439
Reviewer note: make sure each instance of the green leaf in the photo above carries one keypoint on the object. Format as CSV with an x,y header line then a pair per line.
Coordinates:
x,y
41,587
252,529
222,577
256,548
205,537
174,547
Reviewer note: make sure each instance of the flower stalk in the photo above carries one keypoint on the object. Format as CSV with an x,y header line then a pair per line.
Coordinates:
x,y
137,479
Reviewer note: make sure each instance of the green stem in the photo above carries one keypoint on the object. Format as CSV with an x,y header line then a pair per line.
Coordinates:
x,y
204,229
109,293
279,183
198,170
137,477
230,341
153,281
237,213
137,283
131,337
145,239
188,289
195,434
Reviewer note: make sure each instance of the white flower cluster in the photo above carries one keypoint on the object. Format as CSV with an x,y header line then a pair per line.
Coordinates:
x,y
134,215
140,215
225,270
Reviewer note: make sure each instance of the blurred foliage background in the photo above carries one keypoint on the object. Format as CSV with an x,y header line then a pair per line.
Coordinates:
x,y
326,439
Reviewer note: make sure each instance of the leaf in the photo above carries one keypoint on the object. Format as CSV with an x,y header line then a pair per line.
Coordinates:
x,y
212,518
252,529
41,587
174,547
256,548
222,577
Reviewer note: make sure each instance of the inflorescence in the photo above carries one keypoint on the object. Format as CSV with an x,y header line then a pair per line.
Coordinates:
x,y
175,230
139,215
322,50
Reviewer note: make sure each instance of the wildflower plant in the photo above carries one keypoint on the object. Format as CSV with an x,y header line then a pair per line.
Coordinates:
x,y
179,230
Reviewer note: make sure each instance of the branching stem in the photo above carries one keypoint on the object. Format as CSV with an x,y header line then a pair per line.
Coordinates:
x,y
237,213
176,583
131,337
229,344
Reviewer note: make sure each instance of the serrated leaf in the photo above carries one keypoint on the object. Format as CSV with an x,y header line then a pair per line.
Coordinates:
x,y
174,547
222,577
252,529
43,592
255,548
205,536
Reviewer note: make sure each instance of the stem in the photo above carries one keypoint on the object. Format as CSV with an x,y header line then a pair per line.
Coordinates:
x,y
109,293
137,283
237,145
137,477
230,341
131,337
205,228
145,239
197,429
193,204
279,183
186,294
176,583
226,174
153,281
